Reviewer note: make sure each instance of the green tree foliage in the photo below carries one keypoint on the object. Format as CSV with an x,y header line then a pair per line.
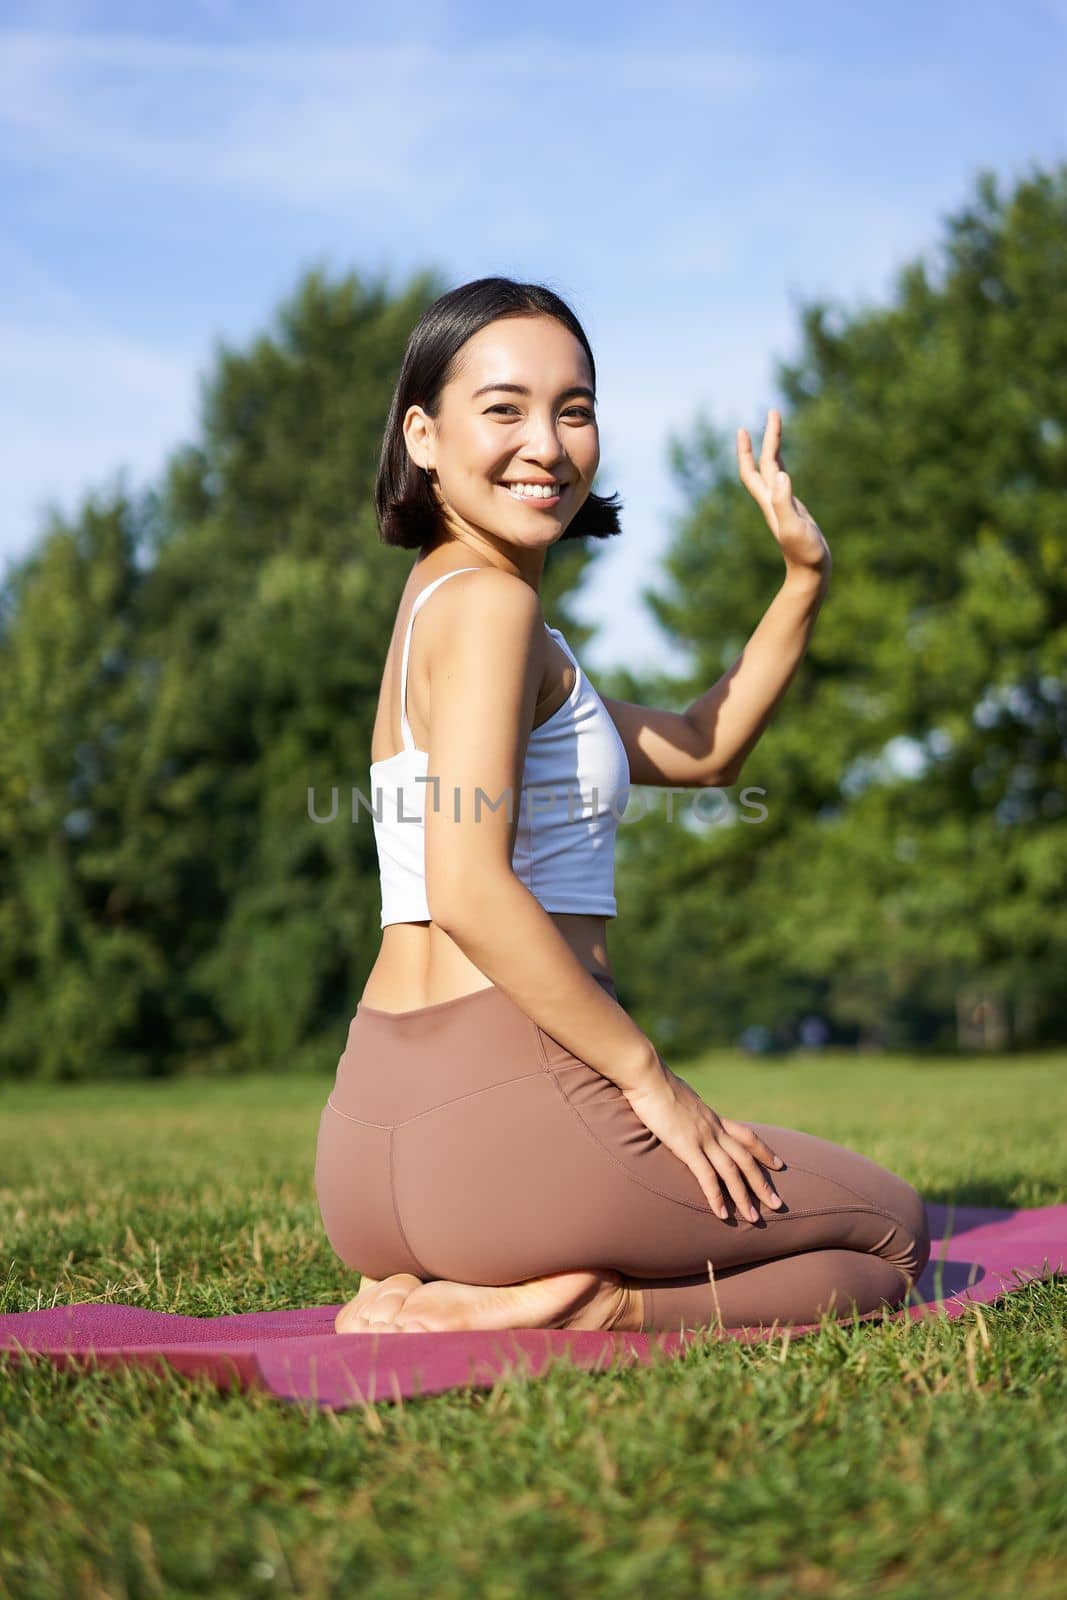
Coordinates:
x,y
74,972
909,879
179,668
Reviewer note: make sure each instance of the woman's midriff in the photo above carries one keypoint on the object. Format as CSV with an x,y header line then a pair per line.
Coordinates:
x,y
419,965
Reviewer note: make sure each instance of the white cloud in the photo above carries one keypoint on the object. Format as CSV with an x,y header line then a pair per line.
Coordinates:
x,y
305,127
303,123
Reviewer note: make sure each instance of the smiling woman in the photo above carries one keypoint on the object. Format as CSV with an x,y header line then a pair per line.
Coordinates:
x,y
498,1122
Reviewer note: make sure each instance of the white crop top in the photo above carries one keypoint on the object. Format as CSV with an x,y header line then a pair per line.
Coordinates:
x,y
575,785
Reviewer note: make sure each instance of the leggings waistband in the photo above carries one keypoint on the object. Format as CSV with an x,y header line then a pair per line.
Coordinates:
x,y
397,1063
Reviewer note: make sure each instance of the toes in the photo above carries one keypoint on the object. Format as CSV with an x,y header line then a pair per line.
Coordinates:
x,y
428,1309
375,1307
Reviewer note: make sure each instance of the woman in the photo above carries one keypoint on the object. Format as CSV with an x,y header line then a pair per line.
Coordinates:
x,y
503,1146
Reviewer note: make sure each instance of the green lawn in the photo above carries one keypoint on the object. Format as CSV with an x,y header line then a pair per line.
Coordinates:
x,y
895,1459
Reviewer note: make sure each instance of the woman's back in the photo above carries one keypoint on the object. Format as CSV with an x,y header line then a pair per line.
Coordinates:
x,y
575,783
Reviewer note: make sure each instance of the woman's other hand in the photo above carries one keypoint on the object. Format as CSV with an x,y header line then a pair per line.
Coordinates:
x,y
716,1149
789,519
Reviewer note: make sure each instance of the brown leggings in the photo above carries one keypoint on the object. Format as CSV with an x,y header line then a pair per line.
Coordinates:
x,y
462,1141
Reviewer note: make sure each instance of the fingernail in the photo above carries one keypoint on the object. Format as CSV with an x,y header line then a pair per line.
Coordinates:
x,y
776,1199
778,1161
753,1215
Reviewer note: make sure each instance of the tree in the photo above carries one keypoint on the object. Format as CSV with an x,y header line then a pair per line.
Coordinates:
x,y
75,977
914,859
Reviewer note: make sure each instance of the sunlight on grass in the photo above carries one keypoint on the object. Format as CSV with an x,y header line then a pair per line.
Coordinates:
x,y
883,1459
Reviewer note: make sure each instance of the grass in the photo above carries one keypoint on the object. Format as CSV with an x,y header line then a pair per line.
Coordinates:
x,y
885,1460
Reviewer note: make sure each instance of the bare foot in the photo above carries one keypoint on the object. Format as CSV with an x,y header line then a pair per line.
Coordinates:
x,y
600,1299
375,1306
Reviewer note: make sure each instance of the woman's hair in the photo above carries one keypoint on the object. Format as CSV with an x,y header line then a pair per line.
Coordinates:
x,y
408,514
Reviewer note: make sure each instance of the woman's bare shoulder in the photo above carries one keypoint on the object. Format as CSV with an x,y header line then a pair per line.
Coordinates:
x,y
492,605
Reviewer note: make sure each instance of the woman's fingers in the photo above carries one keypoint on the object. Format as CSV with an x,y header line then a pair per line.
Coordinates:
x,y
761,480
705,1175
743,1175
759,1183
769,463
750,474
746,1135
731,1174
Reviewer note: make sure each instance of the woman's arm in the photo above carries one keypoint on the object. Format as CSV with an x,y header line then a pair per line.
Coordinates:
x,y
706,744
485,659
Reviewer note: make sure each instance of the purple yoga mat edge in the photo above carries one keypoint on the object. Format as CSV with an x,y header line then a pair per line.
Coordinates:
x,y
296,1355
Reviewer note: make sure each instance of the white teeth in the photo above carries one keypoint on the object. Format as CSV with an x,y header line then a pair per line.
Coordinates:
x,y
533,491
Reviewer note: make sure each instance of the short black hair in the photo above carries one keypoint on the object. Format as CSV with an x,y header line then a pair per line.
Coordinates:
x,y
408,514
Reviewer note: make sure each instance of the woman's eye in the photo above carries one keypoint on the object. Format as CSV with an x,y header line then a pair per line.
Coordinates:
x,y
581,411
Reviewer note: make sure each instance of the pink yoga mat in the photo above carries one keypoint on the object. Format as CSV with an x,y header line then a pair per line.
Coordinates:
x,y
979,1253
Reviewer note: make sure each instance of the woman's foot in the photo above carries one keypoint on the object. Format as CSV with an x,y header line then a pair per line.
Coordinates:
x,y
600,1299
405,1304
375,1307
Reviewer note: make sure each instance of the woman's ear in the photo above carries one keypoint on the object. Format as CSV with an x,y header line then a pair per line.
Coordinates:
x,y
418,436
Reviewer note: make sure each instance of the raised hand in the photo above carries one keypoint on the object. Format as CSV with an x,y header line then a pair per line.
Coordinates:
x,y
789,519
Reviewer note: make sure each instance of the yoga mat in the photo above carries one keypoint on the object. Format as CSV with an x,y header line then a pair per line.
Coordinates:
x,y
978,1254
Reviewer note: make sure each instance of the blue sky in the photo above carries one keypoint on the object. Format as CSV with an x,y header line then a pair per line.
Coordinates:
x,y
686,175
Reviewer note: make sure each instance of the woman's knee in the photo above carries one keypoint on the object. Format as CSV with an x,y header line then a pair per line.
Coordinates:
x,y
896,1225
913,1241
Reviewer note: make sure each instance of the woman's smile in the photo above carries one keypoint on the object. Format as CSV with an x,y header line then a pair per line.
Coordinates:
x,y
536,497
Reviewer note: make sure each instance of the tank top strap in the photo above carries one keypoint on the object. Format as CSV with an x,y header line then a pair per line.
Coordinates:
x,y
567,650
423,595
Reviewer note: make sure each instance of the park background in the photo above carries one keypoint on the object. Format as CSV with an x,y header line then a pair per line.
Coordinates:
x,y
221,224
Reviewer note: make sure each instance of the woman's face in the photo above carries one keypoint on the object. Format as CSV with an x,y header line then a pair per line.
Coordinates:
x,y
488,436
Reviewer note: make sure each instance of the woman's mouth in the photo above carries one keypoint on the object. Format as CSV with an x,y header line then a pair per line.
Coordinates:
x,y
535,497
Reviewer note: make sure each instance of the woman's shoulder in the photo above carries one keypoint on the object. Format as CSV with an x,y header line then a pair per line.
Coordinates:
x,y
485,599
